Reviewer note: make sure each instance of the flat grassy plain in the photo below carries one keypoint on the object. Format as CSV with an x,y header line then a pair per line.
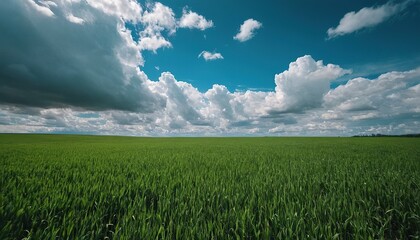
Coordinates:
x,y
95,187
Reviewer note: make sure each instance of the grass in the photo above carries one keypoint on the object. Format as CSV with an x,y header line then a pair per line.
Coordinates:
x,y
92,187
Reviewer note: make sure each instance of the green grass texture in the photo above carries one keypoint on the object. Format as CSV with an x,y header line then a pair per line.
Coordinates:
x,y
100,187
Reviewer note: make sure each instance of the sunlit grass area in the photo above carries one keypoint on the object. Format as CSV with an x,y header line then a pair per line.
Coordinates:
x,y
94,187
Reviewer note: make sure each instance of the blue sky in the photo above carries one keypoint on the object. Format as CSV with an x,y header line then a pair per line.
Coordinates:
x,y
290,29
198,68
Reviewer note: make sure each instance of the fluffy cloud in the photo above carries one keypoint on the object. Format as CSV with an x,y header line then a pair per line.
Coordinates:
x,y
208,56
129,10
305,83
247,30
184,102
394,98
159,18
153,43
387,104
219,102
366,17
393,93
191,20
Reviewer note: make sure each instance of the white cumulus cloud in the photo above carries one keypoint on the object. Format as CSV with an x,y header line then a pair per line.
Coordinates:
x,y
158,18
129,10
153,43
394,95
305,83
391,93
209,56
247,30
365,18
191,20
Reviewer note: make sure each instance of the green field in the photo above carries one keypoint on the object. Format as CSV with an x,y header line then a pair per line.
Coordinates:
x,y
92,187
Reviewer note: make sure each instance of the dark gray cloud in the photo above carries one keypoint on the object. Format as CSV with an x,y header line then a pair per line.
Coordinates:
x,y
282,117
52,62
241,124
129,118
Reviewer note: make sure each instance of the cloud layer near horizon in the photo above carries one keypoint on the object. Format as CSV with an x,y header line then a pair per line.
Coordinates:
x,y
85,77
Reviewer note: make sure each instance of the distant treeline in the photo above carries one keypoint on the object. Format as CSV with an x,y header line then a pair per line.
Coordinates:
x,y
384,135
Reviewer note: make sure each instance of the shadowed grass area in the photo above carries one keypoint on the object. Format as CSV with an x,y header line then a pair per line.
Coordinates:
x,y
93,187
